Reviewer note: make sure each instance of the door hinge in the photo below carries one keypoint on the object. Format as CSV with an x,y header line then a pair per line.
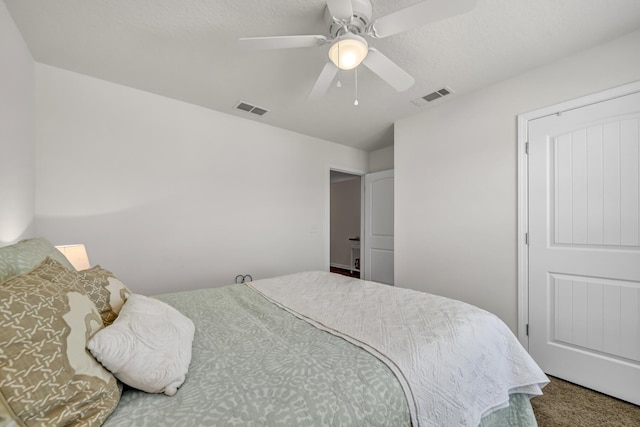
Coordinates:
x,y
527,329
526,148
526,238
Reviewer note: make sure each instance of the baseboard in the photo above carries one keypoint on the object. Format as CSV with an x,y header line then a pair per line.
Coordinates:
x,y
342,266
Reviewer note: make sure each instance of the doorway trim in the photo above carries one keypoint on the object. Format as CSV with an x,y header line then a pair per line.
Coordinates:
x,y
327,209
523,189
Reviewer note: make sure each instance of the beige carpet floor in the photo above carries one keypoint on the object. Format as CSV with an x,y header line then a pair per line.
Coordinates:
x,y
566,404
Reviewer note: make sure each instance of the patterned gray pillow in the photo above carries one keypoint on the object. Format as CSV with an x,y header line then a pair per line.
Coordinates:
x,y
23,256
104,290
47,376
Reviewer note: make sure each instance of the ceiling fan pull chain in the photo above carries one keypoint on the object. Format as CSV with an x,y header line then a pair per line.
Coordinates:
x,y
356,101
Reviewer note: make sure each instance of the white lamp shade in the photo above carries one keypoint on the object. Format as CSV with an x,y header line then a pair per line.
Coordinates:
x,y
348,51
77,256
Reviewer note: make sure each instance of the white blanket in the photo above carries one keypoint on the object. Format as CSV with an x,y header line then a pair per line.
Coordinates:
x,y
456,362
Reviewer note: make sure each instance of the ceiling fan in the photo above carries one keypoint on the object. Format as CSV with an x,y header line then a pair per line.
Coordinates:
x,y
349,23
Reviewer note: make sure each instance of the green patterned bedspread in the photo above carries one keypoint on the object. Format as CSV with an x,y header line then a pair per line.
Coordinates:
x,y
255,364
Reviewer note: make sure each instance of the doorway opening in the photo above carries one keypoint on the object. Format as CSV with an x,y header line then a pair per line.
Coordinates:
x,y
345,223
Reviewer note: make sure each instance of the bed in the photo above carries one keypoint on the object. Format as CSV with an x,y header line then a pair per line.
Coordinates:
x,y
311,348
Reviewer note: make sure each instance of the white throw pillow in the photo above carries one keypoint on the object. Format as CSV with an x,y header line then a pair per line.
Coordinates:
x,y
147,347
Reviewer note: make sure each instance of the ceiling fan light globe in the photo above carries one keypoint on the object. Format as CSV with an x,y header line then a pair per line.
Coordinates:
x,y
349,60
348,51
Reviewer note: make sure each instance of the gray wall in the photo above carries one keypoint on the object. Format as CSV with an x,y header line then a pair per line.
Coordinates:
x,y
345,219
174,196
455,182
17,111
381,160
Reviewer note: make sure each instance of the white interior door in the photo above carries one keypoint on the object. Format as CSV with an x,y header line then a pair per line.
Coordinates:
x,y
584,245
378,227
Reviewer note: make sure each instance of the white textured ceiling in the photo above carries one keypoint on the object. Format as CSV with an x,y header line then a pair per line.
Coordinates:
x,y
186,49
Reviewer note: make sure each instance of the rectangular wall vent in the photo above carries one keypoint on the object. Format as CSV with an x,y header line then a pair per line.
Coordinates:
x,y
244,106
432,96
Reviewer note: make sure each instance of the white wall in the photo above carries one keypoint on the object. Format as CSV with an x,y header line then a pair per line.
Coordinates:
x,y
381,160
456,174
172,196
17,180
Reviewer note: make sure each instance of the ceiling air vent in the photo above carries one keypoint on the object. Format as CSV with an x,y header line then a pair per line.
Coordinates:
x,y
432,96
251,109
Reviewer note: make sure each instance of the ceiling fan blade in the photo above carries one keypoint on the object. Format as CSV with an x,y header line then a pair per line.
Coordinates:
x,y
325,79
340,9
418,15
281,42
388,71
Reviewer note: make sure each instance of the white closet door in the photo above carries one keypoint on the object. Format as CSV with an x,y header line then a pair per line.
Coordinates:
x,y
378,226
584,245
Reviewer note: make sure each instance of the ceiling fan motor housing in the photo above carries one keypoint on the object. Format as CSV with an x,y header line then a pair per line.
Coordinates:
x,y
359,22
